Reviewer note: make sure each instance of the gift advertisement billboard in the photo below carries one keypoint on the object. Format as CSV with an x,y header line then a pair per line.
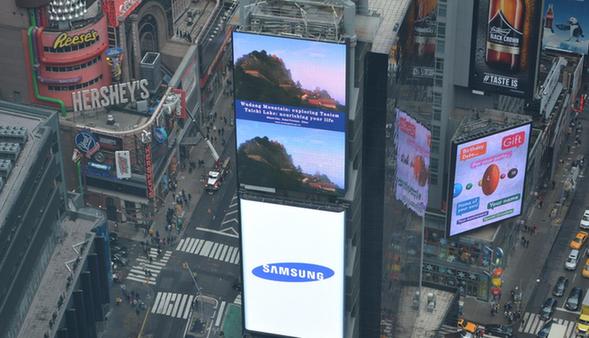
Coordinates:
x,y
412,142
293,270
488,179
505,39
290,111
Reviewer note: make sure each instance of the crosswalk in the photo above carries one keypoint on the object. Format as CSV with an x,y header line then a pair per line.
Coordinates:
x,y
531,323
449,329
175,305
146,271
213,250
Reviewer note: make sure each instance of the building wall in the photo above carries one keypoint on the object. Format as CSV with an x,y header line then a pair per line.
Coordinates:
x,y
14,82
65,69
29,231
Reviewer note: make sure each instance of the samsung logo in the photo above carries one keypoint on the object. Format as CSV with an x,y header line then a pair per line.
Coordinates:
x,y
293,272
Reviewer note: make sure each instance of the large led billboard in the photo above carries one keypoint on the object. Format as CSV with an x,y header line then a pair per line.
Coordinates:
x,y
504,43
293,270
290,113
488,179
563,25
413,143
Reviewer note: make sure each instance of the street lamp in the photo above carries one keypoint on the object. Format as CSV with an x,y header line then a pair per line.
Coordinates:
x,y
185,266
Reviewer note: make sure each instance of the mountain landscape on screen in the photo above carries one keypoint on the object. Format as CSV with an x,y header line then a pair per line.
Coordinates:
x,y
265,162
265,78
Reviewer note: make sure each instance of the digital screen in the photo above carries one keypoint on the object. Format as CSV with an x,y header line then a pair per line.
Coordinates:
x,y
413,143
563,25
504,44
489,177
290,111
293,270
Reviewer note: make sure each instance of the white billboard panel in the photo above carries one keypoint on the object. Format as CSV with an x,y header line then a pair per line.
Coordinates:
x,y
123,164
489,176
413,142
293,270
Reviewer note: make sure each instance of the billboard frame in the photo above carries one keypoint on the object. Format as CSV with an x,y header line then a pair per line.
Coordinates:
x,y
452,178
333,208
349,63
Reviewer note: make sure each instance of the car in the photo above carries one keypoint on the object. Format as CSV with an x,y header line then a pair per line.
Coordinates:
x,y
497,330
579,240
572,260
113,236
120,250
585,271
545,329
585,220
574,300
560,286
119,260
547,309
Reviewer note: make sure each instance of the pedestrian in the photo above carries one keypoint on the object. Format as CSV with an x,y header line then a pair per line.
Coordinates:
x,y
189,196
553,184
541,203
523,241
534,229
527,243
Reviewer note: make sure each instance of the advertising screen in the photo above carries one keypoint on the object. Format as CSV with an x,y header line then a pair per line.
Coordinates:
x,y
505,40
563,25
413,142
293,270
290,111
489,175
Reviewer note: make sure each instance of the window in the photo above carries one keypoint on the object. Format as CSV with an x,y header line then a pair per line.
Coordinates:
x,y
441,29
436,132
74,87
72,68
439,64
433,178
435,146
442,9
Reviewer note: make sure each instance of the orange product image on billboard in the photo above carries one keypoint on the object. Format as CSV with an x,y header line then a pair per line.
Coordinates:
x,y
579,240
473,151
490,179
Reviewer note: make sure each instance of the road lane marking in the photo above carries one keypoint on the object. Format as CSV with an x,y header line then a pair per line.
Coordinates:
x,y
187,308
217,232
220,314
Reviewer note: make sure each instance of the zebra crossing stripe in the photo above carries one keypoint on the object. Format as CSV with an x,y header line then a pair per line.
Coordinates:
x,y
165,299
215,246
223,252
199,246
524,321
140,280
193,246
221,248
187,308
171,304
182,302
532,323
229,253
233,256
180,244
177,304
157,300
206,248
236,259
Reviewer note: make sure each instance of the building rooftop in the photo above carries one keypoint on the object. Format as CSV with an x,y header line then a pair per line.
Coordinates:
x,y
56,286
32,119
392,14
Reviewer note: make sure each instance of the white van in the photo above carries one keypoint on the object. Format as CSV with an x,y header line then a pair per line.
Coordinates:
x,y
572,260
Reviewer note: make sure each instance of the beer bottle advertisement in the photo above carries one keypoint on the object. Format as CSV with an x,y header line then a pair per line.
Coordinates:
x,y
505,40
564,21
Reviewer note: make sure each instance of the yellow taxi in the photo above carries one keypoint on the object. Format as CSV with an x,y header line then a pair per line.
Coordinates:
x,y
585,271
579,240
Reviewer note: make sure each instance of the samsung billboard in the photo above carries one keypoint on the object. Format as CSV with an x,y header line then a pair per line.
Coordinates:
x,y
290,110
504,46
413,142
293,270
487,179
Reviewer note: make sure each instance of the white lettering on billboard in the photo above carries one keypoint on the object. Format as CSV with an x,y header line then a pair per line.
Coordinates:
x,y
118,93
293,268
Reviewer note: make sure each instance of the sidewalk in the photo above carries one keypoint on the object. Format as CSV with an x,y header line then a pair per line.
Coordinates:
x,y
521,262
188,182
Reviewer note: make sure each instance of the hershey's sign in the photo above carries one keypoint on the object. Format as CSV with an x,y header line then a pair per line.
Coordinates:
x,y
118,93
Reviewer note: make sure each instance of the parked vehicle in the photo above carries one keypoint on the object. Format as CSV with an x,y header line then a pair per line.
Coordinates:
x,y
585,220
583,321
579,240
574,300
497,330
216,176
560,286
545,329
547,309
572,260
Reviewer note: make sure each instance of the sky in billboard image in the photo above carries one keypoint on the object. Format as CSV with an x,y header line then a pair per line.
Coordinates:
x,y
489,179
564,24
413,142
290,109
293,270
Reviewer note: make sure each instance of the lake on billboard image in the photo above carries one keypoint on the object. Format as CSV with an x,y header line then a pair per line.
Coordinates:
x,y
290,106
